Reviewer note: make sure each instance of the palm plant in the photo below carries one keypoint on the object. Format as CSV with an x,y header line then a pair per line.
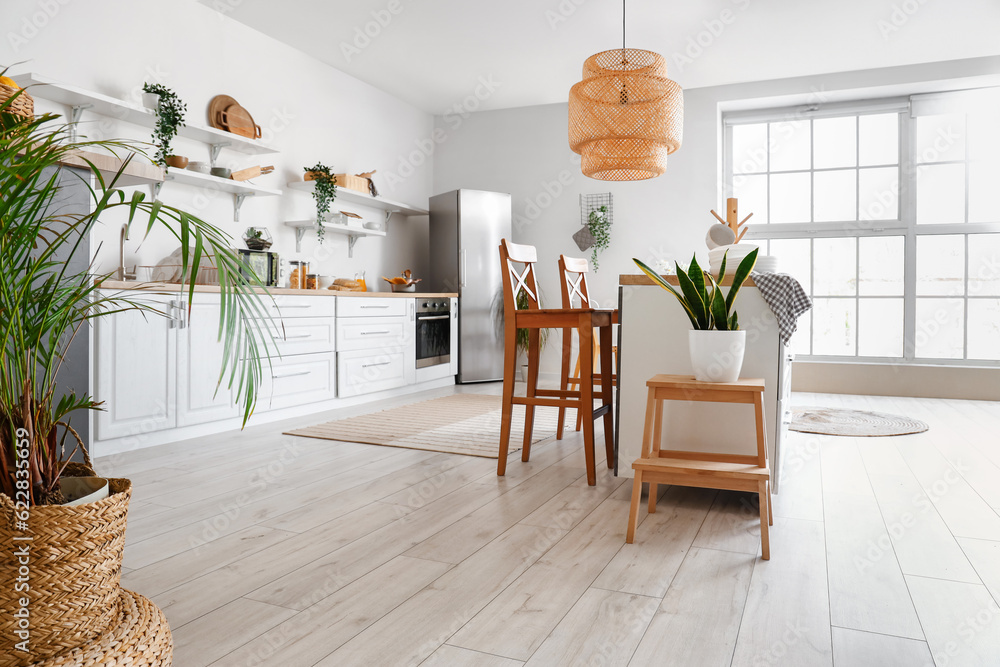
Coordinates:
x,y
43,304
703,302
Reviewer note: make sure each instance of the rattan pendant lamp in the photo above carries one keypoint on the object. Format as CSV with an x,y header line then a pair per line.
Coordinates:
x,y
625,116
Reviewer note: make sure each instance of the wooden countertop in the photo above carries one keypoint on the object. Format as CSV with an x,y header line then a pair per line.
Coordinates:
x,y
274,291
643,279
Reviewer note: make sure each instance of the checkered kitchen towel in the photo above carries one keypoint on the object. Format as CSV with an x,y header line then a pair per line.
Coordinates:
x,y
786,299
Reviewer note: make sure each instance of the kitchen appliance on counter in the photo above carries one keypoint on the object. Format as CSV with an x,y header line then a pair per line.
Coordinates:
x,y
433,337
466,227
263,263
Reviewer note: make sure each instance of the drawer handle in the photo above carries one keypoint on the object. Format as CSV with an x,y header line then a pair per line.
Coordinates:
x,y
290,375
381,363
368,333
297,336
433,317
383,306
294,305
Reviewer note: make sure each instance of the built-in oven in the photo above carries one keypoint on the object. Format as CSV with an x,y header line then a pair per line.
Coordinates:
x,y
433,332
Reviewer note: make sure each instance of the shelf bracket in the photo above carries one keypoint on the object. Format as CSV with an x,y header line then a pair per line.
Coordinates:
x,y
300,233
214,149
76,112
351,240
238,200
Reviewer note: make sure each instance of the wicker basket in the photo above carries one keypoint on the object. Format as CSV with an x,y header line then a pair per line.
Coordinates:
x,y
23,104
75,570
140,638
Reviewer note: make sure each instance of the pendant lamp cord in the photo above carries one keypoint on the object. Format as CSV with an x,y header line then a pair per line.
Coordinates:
x,y
623,32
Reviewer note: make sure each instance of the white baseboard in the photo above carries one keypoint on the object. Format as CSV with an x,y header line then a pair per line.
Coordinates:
x,y
919,381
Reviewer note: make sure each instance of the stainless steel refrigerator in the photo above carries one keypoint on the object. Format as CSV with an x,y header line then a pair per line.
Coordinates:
x,y
465,231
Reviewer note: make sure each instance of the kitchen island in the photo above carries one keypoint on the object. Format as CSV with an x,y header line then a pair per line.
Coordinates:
x,y
653,338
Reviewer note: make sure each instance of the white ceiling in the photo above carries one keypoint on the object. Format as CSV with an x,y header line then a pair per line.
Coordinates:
x,y
433,53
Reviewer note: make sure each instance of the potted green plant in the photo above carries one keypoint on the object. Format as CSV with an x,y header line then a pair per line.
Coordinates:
x,y
599,227
257,238
170,112
43,304
324,193
716,343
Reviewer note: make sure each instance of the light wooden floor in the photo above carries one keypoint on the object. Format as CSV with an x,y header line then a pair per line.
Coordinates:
x,y
265,549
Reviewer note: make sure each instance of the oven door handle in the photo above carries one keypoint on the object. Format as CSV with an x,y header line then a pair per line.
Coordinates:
x,y
424,318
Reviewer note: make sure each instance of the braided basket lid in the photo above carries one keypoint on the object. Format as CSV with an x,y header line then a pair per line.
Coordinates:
x,y
625,116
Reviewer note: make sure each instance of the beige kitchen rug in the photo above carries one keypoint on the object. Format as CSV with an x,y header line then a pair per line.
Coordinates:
x,y
460,424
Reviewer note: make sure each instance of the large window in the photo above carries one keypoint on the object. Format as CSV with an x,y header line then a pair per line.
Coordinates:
x,y
883,212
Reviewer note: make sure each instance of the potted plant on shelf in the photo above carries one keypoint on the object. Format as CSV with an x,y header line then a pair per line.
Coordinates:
x,y
257,238
716,343
324,193
170,112
599,227
76,550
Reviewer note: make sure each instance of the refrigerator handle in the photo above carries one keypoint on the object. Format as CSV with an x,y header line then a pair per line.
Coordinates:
x,y
461,268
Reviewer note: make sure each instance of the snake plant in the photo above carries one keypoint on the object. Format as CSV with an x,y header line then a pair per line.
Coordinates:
x,y
702,299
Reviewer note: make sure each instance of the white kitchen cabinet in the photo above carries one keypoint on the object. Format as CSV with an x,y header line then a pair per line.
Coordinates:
x,y
200,399
373,306
136,375
365,371
298,380
366,333
376,349
454,336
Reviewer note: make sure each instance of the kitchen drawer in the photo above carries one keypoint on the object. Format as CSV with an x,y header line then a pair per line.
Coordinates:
x,y
366,371
373,306
303,336
372,333
298,381
286,305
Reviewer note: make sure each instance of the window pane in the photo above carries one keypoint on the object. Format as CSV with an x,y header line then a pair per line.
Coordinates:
x,y
941,265
752,193
984,175
879,194
880,266
794,259
939,328
984,265
834,267
940,138
790,145
880,329
749,148
940,194
836,196
833,326
835,142
984,328
984,134
802,336
790,198
878,139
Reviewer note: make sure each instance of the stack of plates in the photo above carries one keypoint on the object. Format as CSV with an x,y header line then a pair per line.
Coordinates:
x,y
735,255
767,264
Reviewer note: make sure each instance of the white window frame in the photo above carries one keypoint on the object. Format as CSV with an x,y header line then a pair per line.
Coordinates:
x,y
904,225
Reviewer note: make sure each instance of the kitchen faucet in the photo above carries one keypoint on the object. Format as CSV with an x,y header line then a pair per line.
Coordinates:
x,y
122,273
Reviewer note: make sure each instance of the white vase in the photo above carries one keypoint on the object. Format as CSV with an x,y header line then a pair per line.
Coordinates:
x,y
83,490
717,356
150,101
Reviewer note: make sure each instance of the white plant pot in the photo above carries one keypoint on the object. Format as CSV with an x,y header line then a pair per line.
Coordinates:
x,y
717,356
83,490
524,372
150,101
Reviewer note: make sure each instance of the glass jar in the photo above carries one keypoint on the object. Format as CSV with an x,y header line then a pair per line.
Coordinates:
x,y
298,276
312,281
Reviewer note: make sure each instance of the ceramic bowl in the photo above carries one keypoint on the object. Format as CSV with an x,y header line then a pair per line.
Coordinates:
x,y
221,172
200,167
177,161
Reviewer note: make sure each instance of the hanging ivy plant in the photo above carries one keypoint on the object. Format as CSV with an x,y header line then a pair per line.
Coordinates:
x,y
169,119
324,193
600,228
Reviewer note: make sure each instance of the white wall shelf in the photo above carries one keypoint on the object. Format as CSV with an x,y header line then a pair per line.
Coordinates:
x,y
80,100
364,199
352,233
239,189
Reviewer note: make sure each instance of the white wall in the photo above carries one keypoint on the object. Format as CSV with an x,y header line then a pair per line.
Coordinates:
x,y
525,152
310,111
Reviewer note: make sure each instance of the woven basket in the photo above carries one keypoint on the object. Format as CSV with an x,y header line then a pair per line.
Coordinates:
x,y
140,638
75,570
23,105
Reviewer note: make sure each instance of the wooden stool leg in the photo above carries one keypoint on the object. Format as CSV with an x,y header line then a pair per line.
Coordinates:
x,y
579,413
765,544
770,505
633,512
653,488
507,411
606,396
529,410
587,397
567,345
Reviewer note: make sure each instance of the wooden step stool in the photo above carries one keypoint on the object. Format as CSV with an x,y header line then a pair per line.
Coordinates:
x,y
733,472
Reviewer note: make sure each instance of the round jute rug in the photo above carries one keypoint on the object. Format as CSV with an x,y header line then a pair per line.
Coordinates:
x,y
855,423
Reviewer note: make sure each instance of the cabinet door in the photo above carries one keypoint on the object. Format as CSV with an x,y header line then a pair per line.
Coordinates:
x,y
136,370
367,371
200,398
454,336
298,380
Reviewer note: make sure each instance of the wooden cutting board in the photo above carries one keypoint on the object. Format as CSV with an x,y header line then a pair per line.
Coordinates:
x,y
219,104
239,121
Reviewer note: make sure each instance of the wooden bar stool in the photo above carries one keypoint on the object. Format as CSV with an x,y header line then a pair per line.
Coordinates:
x,y
573,285
534,318
734,472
